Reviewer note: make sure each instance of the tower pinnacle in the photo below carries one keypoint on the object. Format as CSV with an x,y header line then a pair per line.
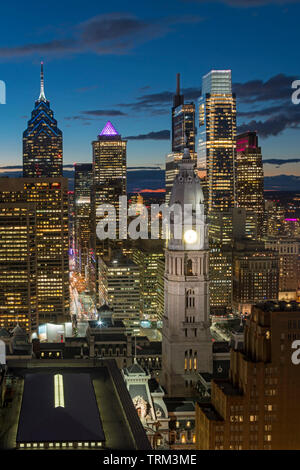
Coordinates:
x,y
178,84
42,96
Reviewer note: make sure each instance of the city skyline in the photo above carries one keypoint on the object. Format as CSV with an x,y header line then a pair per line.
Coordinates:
x,y
138,104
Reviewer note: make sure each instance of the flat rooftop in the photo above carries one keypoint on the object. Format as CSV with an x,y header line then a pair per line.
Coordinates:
x,y
59,406
210,412
91,406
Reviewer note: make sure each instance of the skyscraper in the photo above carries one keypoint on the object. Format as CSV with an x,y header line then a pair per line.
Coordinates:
x,y
216,161
82,187
42,141
183,135
249,177
18,265
186,345
255,275
183,123
109,157
46,199
109,171
217,138
147,255
119,287
258,407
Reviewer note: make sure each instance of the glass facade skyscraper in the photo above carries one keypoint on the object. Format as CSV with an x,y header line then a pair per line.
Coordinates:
x,y
217,138
82,202
109,175
42,141
249,177
216,163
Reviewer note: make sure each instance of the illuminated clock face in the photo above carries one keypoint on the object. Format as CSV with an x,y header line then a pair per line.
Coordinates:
x,y
190,236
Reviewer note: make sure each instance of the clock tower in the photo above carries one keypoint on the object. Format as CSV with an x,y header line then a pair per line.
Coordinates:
x,y
187,343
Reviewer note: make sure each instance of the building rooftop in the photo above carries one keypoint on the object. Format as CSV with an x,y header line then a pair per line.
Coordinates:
x,y
92,404
227,387
210,412
153,348
59,411
279,306
179,405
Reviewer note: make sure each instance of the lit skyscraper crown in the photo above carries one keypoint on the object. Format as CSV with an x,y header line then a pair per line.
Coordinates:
x,y
109,130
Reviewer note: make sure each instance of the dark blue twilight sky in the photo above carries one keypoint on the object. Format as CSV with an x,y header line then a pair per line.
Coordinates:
x,y
118,60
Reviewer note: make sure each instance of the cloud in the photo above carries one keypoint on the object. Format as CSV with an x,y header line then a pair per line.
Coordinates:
x,y
159,103
271,126
276,88
273,97
77,118
105,112
114,33
279,161
159,135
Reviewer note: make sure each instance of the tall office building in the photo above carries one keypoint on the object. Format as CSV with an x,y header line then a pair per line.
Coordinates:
x,y
288,250
258,406
147,255
217,138
255,275
186,344
249,177
274,218
183,123
109,173
119,287
183,135
109,157
216,162
47,198
82,201
18,266
42,141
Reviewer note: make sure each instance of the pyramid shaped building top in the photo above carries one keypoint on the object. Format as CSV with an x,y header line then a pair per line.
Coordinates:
x,y
109,130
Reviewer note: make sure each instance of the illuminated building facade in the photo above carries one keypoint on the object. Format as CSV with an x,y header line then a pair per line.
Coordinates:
x,y
273,219
255,275
147,257
249,177
109,157
217,138
18,267
288,250
183,123
82,187
48,196
186,344
222,226
42,141
109,174
258,407
216,164
119,287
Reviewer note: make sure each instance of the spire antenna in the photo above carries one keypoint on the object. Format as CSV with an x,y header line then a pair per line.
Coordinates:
x,y
42,96
178,84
